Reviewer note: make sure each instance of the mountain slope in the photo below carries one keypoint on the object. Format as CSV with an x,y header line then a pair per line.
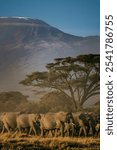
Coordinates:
x,y
27,45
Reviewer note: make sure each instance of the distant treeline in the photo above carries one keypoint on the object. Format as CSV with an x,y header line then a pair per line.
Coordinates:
x,y
54,101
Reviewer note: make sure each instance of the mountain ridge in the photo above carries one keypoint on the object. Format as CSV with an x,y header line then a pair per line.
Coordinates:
x,y
26,48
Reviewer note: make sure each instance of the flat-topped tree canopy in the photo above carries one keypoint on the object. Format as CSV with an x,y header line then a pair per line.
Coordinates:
x,y
77,77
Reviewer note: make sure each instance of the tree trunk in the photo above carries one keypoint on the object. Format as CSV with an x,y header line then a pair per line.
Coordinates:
x,y
74,102
73,98
82,100
80,107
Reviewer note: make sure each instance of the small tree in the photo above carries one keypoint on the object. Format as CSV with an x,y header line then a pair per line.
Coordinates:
x,y
77,77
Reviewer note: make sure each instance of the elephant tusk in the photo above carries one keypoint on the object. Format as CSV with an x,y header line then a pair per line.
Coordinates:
x,y
73,124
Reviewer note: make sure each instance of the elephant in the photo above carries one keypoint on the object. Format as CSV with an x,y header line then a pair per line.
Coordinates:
x,y
92,124
28,121
54,121
81,124
1,122
69,129
97,126
9,121
83,129
88,122
71,123
97,130
75,125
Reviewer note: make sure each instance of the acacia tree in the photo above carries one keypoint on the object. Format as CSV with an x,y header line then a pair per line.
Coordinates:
x,y
77,77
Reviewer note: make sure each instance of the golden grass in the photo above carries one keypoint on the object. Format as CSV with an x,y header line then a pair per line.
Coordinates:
x,y
58,143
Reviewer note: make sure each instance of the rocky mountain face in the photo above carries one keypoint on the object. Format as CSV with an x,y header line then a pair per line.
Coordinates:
x,y
27,45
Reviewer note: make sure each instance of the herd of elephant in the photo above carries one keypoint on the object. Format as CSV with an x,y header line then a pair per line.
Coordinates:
x,y
56,124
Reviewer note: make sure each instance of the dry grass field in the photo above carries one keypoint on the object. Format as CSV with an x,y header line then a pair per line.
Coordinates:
x,y
29,142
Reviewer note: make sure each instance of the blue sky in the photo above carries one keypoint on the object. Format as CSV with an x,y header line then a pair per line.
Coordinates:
x,y
77,17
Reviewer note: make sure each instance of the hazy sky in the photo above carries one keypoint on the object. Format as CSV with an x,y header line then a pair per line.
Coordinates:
x,y
78,17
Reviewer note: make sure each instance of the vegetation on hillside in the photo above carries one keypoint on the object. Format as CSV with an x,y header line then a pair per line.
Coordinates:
x,y
12,101
51,102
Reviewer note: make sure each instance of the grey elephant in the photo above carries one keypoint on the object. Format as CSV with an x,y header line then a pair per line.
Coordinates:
x,y
79,124
87,123
53,121
91,124
83,127
97,126
9,121
69,124
75,126
97,130
1,122
28,121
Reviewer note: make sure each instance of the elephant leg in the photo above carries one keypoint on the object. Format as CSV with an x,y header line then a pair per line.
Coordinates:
x,y
62,129
66,130
33,128
80,131
93,131
26,130
3,129
7,128
85,132
56,132
30,130
52,132
42,132
68,133
90,130
18,129
73,130
97,133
